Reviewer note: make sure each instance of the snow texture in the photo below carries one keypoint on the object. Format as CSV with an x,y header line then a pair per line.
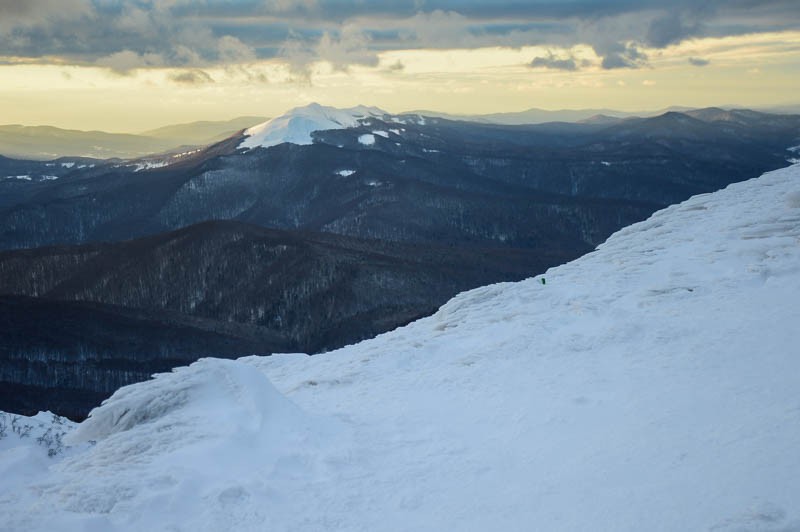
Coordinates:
x,y
297,125
649,385
149,165
346,173
366,140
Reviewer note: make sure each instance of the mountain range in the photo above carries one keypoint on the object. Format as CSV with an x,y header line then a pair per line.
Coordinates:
x,y
361,223
48,142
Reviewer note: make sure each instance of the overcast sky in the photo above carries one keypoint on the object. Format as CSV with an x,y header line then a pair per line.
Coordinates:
x,y
127,65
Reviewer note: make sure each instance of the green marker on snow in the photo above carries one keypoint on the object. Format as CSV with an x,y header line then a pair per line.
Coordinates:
x,y
543,281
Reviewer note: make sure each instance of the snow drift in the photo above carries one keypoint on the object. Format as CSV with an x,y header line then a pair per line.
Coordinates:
x,y
650,385
297,125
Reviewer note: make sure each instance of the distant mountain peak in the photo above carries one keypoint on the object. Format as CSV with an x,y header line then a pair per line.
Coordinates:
x,y
297,125
601,119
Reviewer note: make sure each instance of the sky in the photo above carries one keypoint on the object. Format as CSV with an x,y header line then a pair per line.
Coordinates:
x,y
132,65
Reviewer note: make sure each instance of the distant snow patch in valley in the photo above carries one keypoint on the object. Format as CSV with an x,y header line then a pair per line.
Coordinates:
x,y
366,139
796,151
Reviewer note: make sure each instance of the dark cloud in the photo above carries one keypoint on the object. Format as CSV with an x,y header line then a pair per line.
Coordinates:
x,y
621,55
552,62
698,61
127,34
670,29
192,77
397,66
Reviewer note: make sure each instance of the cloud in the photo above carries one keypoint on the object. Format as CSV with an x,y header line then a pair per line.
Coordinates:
x,y
698,61
128,34
349,47
127,60
436,28
621,55
671,28
232,50
290,6
192,77
21,14
299,54
555,63
397,66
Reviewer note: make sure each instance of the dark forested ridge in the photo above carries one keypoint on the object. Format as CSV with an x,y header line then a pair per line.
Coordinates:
x,y
105,315
68,356
317,290
320,245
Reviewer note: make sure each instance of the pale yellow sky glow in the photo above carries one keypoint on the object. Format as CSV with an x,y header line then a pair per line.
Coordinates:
x,y
754,70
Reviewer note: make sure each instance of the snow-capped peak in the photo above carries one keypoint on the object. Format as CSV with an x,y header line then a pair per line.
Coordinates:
x,y
297,125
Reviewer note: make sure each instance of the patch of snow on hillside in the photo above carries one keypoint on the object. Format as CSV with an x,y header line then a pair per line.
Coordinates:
x,y
20,177
68,165
395,131
649,385
186,153
366,139
346,173
297,125
383,134
149,165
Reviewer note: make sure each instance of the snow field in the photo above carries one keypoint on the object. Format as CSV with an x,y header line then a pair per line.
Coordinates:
x,y
297,125
649,385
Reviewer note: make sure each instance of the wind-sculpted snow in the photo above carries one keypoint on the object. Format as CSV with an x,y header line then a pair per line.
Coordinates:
x,y
203,391
650,385
166,439
297,125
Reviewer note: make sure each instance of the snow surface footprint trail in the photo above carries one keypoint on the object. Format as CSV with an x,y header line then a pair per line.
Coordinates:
x,y
650,385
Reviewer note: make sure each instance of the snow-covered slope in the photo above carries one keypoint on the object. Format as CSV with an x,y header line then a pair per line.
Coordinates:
x,y
651,385
297,125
